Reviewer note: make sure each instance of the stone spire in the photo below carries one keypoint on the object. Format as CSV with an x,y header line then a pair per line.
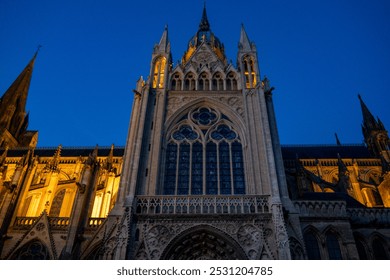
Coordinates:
x,y
204,24
52,165
375,134
244,44
13,117
369,122
164,45
338,143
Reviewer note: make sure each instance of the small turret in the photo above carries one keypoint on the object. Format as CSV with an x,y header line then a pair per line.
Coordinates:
x,y
375,134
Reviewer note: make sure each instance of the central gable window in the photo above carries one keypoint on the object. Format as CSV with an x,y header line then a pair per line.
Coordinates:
x,y
204,156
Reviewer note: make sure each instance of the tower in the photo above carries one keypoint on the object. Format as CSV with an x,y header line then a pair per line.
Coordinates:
x,y
199,178
13,117
375,134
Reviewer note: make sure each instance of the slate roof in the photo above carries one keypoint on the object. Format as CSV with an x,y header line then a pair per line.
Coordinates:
x,y
325,151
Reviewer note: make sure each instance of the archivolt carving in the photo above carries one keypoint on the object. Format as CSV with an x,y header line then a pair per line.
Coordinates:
x,y
253,238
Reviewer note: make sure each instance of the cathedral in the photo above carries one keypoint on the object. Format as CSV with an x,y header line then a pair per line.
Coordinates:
x,y
202,175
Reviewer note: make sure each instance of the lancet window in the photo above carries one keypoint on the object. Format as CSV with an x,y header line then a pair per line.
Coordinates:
x,y
189,82
204,156
217,83
159,72
231,81
333,246
249,72
311,242
204,82
176,82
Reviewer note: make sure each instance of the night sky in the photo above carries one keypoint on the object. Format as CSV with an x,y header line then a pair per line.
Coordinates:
x,y
319,55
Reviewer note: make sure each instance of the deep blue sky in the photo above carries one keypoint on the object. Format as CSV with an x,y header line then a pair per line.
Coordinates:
x,y
318,54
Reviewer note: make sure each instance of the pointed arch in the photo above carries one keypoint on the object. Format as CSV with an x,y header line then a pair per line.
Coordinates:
x,y
231,81
250,73
296,249
33,250
333,243
204,81
159,65
311,239
203,242
361,246
203,153
233,116
380,248
190,81
217,82
96,253
176,81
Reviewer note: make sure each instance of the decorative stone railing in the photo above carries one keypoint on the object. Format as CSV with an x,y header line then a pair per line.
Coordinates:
x,y
369,216
56,223
95,222
205,204
24,222
315,208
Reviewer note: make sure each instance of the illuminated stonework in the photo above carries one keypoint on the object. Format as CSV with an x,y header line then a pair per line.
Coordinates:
x,y
202,176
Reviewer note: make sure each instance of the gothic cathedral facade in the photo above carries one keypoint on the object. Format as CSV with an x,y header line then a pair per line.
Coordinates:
x,y
202,175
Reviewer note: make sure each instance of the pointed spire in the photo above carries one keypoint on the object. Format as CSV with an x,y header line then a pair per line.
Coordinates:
x,y
337,140
244,44
369,122
13,116
52,165
163,45
341,165
204,24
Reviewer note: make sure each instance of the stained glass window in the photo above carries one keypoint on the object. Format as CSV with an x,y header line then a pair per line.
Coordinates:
x,y
204,155
224,168
211,169
197,169
313,250
333,246
184,169
170,169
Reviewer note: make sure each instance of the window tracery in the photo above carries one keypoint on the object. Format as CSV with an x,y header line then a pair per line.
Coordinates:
x,y
204,156
159,72
249,72
189,82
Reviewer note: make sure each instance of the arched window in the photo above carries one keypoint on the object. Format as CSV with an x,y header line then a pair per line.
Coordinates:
x,y
189,82
159,72
312,248
34,250
204,156
217,83
203,82
333,247
378,248
231,81
361,249
249,72
176,82
55,208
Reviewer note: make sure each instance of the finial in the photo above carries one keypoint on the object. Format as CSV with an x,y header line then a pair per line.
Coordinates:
x,y
204,23
37,51
337,140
